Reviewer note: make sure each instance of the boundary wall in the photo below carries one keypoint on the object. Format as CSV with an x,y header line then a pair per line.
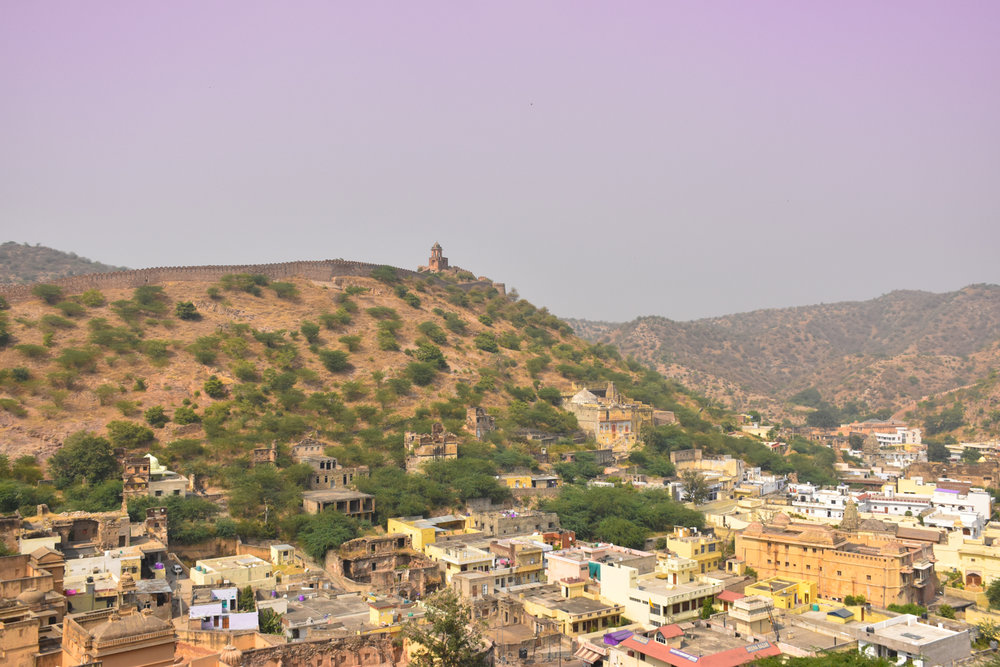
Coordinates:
x,y
321,270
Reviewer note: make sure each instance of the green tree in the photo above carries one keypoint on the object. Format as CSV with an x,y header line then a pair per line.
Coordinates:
x,y
129,435
269,622
695,487
185,310
287,291
993,594
83,458
334,361
156,417
824,417
325,531
486,342
215,388
386,274
246,600
50,294
936,451
970,455
310,330
448,638
707,609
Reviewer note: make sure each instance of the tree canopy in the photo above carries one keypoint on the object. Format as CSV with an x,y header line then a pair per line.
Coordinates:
x,y
83,458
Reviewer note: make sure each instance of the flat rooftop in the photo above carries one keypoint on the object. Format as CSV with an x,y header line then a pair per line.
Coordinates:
x,y
651,584
333,495
348,610
550,596
917,633
226,562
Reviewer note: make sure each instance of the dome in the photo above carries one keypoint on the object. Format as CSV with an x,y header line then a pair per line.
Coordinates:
x,y
31,596
583,396
128,625
780,519
231,656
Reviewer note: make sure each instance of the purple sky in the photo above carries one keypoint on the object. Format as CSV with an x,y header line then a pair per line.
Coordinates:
x,y
608,159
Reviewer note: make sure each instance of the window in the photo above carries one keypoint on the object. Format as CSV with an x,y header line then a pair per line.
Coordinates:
x,y
839,573
868,576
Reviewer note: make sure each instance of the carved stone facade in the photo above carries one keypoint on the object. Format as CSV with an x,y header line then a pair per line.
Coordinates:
x,y
363,651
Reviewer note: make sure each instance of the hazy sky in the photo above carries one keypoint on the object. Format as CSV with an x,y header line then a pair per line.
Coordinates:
x,y
608,159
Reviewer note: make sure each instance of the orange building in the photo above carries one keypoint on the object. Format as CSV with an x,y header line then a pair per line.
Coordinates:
x,y
883,569
125,638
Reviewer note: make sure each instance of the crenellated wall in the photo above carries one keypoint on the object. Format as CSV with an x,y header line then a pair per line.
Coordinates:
x,y
322,270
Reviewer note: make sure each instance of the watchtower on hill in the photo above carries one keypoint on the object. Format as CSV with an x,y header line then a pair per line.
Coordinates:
x,y
438,262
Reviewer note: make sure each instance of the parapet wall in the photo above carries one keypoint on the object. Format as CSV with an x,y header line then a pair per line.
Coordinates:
x,y
322,270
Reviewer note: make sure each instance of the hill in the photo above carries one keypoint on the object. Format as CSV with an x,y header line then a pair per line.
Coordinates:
x,y
877,356
22,264
200,366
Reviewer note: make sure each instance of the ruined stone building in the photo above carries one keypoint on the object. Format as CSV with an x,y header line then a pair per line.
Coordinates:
x,y
265,455
308,447
328,474
506,523
478,422
387,563
435,446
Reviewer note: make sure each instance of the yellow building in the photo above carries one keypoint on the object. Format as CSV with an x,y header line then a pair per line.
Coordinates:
x,y
979,562
572,609
784,593
423,532
238,571
529,481
704,549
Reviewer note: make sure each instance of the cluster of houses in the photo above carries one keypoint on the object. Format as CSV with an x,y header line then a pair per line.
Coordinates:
x,y
786,567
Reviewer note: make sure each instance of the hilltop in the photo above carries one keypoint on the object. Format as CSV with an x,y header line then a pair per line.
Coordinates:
x,y
22,264
882,355
202,365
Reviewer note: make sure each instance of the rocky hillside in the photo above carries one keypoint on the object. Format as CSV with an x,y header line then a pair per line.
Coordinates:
x,y
886,353
22,264
247,361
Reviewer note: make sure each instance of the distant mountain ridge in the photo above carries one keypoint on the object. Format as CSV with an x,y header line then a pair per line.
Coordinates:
x,y
21,264
888,352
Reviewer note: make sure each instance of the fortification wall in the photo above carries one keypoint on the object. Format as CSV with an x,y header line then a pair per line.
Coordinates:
x,y
322,270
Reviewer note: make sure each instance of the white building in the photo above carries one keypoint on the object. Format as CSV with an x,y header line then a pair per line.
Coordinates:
x,y
902,436
820,503
669,595
903,638
755,483
899,504
970,524
217,609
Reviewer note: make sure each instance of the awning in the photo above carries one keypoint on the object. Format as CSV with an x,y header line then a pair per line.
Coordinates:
x,y
588,655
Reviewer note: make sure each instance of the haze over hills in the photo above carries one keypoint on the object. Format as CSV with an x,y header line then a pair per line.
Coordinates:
x,y
21,263
888,352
